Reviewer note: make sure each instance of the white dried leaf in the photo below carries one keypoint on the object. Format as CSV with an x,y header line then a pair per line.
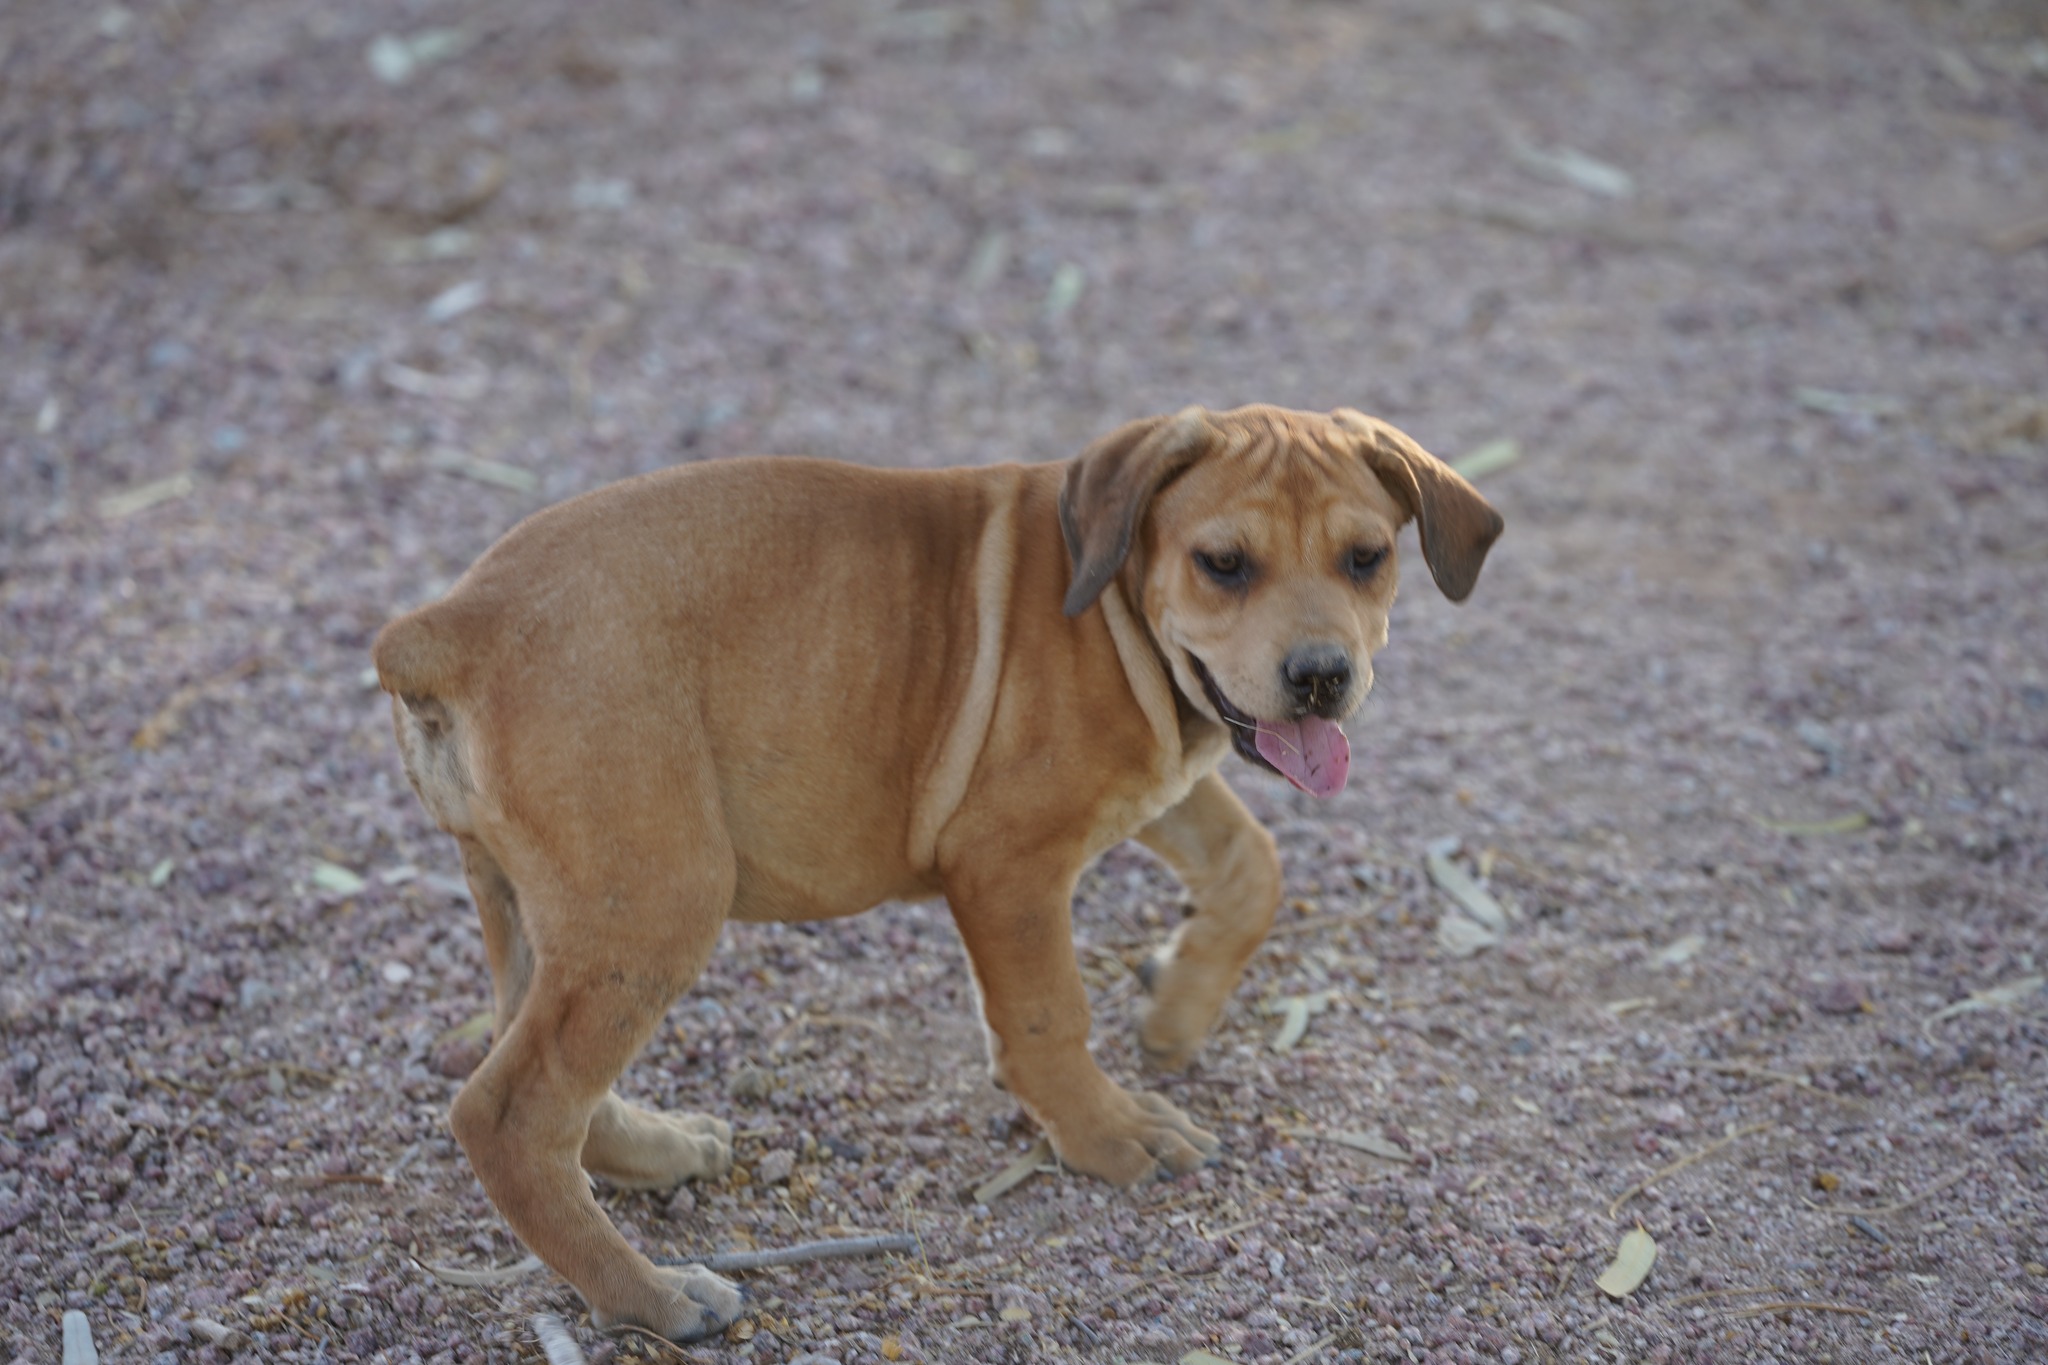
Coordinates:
x,y
555,1340
78,1347
454,301
1369,1143
1679,952
1991,998
1461,937
1456,883
1293,1027
1490,458
1039,1158
1631,1266
395,60
1569,166
335,878
142,497
493,472
477,1279
1297,1010
1065,291
1841,404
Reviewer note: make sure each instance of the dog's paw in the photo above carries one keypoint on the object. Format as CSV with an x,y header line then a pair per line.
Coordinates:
x,y
1181,1007
690,1305
640,1149
1137,1138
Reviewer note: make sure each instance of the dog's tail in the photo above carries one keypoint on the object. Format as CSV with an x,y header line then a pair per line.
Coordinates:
x,y
419,656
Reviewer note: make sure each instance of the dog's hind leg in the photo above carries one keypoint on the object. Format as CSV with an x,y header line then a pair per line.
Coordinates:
x,y
606,962
505,946
1227,861
629,1146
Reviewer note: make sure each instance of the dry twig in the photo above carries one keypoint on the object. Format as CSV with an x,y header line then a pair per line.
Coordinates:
x,y
830,1249
1936,1188
1705,1294
1675,1167
1791,1305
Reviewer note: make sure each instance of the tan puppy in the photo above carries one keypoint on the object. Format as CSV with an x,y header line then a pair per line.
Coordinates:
x,y
788,690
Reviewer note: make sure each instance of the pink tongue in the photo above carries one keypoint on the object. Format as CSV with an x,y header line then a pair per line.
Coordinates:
x,y
1312,753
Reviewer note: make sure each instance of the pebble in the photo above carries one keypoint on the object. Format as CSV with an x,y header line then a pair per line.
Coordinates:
x,y
1842,995
776,1167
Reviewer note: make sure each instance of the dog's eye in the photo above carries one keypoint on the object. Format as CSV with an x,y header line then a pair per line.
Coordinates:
x,y
1365,561
1228,567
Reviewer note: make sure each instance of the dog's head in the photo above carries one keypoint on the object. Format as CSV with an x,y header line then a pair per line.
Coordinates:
x,y
1259,545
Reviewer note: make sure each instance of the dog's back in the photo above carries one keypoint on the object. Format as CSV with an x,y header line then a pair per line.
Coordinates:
x,y
727,613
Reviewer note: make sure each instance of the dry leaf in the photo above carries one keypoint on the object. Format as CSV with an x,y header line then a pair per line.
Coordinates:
x,y
1016,1312
892,1348
1850,404
556,1340
1456,883
1569,166
1297,1009
142,497
474,1279
1490,458
1682,951
395,60
78,1347
1039,1158
1460,937
1992,998
335,878
1369,1143
1847,824
1067,283
493,472
1631,1265
1295,1025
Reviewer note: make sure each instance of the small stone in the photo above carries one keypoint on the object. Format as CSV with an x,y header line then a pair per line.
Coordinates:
x,y
751,1083
682,1203
458,1057
397,973
34,1121
776,1167
1842,995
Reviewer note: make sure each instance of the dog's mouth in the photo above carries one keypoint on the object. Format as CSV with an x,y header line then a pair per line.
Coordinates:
x,y
1310,752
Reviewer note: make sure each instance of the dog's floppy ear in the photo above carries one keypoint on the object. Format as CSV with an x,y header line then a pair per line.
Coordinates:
x,y
1458,526
1108,487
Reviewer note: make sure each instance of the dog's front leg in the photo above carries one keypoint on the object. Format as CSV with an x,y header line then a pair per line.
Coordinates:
x,y
1015,916
1227,861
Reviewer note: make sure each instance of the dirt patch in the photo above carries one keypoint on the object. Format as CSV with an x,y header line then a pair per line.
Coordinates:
x,y
303,305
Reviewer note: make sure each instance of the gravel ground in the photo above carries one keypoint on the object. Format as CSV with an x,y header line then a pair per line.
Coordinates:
x,y
1745,723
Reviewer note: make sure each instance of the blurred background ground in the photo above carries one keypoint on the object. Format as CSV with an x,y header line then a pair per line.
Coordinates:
x,y
302,305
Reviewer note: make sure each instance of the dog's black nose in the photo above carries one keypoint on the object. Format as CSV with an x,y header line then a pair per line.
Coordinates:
x,y
1317,677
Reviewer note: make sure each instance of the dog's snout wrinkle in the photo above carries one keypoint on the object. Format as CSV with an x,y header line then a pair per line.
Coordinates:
x,y
1318,678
